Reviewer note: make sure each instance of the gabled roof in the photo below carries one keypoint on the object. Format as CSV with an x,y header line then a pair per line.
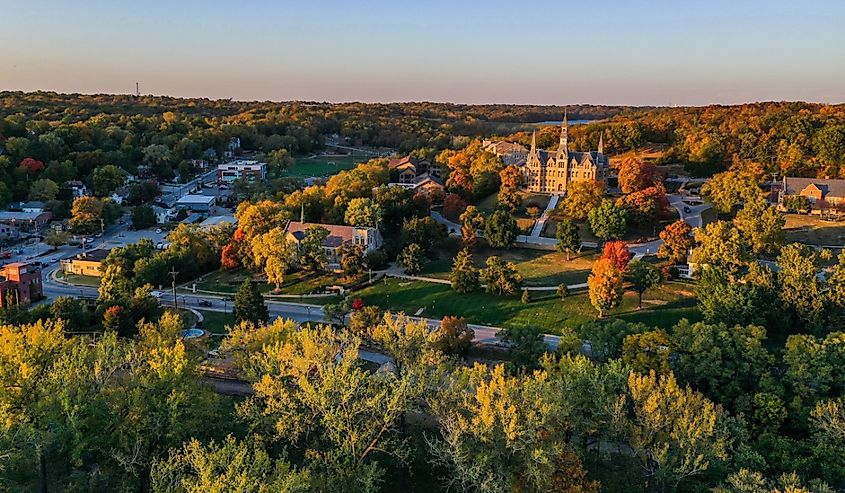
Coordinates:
x,y
828,187
338,235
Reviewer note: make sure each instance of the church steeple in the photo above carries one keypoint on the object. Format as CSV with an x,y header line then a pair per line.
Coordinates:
x,y
601,143
533,142
564,134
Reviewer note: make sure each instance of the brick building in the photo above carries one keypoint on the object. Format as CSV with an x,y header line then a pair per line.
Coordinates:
x,y
20,284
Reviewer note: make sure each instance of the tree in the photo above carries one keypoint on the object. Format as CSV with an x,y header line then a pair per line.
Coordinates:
x,y
617,252
636,175
721,244
645,351
230,257
581,198
677,242
605,286
500,229
472,221
607,221
425,232
352,260
745,481
279,159
86,214
229,466
107,179
526,296
310,254
43,190
249,304
568,237
562,291
411,258
453,206
363,212
797,203
731,188
273,253
761,225
509,197
143,217
464,275
674,432
31,166
70,310
642,276
501,277
802,294
453,336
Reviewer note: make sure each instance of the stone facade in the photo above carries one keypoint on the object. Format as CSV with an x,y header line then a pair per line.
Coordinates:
x,y
553,171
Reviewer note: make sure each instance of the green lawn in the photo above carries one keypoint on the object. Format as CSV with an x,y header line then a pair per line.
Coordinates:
x,y
298,283
217,322
664,307
538,267
305,167
81,280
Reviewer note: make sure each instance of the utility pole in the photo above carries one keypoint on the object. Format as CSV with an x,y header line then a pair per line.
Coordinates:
x,y
173,276
102,226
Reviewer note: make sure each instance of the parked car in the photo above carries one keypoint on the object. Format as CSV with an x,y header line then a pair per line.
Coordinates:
x,y
204,303
687,210
158,231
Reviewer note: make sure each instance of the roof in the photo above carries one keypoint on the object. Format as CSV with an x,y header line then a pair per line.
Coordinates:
x,y
16,265
19,215
192,219
338,234
32,204
502,147
95,255
395,162
828,187
215,220
196,199
425,177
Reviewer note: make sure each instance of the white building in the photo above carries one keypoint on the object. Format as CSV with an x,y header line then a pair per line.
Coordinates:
x,y
241,169
196,203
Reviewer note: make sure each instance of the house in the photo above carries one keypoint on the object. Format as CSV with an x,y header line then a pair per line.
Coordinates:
x,y
163,216
77,188
242,169
553,171
192,218
196,203
510,152
368,238
233,146
9,233
408,168
821,192
424,183
33,206
20,284
86,263
25,221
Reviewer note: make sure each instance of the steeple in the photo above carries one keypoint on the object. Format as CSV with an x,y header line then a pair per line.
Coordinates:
x,y
533,142
564,134
302,212
601,143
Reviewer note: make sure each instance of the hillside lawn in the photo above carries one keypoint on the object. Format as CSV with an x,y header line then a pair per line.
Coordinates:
x,y
538,267
296,283
663,307
813,230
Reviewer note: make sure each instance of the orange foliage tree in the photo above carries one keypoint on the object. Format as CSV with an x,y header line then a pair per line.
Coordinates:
x,y
605,285
617,252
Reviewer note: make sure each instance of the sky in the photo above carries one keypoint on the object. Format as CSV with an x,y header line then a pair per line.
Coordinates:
x,y
630,52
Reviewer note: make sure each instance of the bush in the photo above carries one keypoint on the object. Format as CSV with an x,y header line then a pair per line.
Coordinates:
x,y
376,260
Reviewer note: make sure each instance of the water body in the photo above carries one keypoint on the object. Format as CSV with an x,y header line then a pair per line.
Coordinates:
x,y
571,122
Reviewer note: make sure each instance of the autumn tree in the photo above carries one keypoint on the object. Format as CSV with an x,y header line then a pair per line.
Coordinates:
x,y
411,259
453,207
472,221
721,244
581,198
453,336
731,188
464,275
605,286
677,242
509,197
568,237
762,225
636,175
501,277
107,179
617,252
363,212
249,304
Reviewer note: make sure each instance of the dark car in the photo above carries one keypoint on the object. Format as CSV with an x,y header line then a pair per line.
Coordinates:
x,y
204,303
687,210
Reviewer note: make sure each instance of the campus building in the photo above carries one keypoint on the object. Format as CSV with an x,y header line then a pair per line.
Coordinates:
x,y
20,284
241,169
86,263
369,239
553,171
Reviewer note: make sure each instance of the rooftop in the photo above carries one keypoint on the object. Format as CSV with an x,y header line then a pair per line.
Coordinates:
x,y
96,255
338,234
196,199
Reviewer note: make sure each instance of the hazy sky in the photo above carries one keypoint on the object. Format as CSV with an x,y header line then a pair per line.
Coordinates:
x,y
543,51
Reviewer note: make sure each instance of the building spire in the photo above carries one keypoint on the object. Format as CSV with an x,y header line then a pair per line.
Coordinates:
x,y
533,142
601,143
302,212
564,133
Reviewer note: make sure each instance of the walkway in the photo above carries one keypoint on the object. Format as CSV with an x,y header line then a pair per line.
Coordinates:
x,y
541,222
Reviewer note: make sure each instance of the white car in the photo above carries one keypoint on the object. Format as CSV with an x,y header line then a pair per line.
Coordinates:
x,y
156,294
158,231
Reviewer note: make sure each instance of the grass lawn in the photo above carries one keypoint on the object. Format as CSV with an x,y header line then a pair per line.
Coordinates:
x,y
306,167
217,322
663,308
813,230
81,280
297,283
538,267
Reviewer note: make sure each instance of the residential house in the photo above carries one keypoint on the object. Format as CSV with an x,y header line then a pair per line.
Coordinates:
x,y
407,169
242,169
25,221
424,183
86,263
20,284
553,171
33,206
821,192
77,188
368,238
9,233
163,216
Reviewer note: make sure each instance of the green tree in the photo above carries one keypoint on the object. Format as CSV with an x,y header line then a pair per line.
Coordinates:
x,y
464,275
500,229
721,244
249,304
311,255
352,261
731,188
143,217
70,310
642,276
472,221
581,198
526,345
107,179
43,189
568,237
411,259
501,277
607,221
362,212
762,225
